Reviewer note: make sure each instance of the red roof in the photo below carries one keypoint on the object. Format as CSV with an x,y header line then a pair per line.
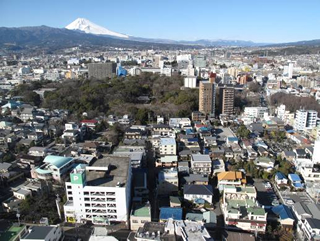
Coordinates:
x,y
213,75
89,121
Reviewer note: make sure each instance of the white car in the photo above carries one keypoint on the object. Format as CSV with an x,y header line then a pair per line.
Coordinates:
x,y
289,201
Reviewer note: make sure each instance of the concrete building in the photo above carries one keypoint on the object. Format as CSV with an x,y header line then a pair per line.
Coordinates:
x,y
102,70
168,181
99,193
207,97
201,164
168,146
140,214
226,100
305,119
190,82
43,233
240,209
255,112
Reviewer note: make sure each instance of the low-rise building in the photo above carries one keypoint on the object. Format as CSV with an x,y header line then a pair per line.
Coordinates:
x,y
140,214
201,164
240,209
198,194
168,181
231,178
43,233
168,146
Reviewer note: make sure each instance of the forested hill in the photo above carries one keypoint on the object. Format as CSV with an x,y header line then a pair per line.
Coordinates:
x,y
118,96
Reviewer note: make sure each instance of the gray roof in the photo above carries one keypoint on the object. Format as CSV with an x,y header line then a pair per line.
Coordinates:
x,y
196,178
313,222
38,232
310,208
198,189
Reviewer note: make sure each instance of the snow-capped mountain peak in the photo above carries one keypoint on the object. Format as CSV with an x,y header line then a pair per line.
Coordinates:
x,y
84,25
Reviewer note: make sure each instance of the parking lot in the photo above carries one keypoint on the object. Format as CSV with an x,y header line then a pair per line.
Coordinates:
x,y
266,195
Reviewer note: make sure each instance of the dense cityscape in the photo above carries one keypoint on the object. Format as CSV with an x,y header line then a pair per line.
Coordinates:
x,y
158,141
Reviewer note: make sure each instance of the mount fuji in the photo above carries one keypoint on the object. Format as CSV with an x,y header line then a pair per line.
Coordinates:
x,y
84,25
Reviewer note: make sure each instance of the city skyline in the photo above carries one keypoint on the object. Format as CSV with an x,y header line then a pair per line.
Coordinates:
x,y
271,22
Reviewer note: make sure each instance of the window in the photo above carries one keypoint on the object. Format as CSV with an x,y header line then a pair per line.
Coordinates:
x,y
134,221
69,193
69,187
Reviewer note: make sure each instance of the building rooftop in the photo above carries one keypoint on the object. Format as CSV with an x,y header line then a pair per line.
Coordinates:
x,y
201,158
9,232
141,210
167,141
117,171
38,232
57,161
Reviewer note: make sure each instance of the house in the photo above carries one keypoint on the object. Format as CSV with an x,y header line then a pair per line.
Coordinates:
x,y
166,213
90,123
296,181
300,153
218,166
190,231
201,164
280,179
43,233
12,203
199,194
288,155
285,216
198,179
175,201
183,167
265,163
231,178
210,141
140,214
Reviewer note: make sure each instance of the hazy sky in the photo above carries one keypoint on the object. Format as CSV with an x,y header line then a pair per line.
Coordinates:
x,y
257,20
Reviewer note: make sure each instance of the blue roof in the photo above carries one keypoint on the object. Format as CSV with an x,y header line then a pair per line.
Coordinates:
x,y
280,175
290,131
203,129
294,177
233,139
58,161
283,211
121,71
189,131
174,213
297,185
193,140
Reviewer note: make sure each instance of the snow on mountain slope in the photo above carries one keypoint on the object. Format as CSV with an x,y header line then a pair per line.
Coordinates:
x,y
86,26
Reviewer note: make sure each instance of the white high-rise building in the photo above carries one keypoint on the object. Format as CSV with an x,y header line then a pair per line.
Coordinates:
x,y
316,152
281,111
290,70
190,82
255,112
99,193
305,119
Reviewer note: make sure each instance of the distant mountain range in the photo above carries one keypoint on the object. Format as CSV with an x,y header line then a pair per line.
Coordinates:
x,y
85,33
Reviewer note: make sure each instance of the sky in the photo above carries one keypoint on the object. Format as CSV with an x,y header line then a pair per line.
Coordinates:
x,y
263,21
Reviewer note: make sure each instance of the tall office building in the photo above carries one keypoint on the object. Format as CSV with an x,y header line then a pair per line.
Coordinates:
x,y
207,96
102,70
305,119
226,100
